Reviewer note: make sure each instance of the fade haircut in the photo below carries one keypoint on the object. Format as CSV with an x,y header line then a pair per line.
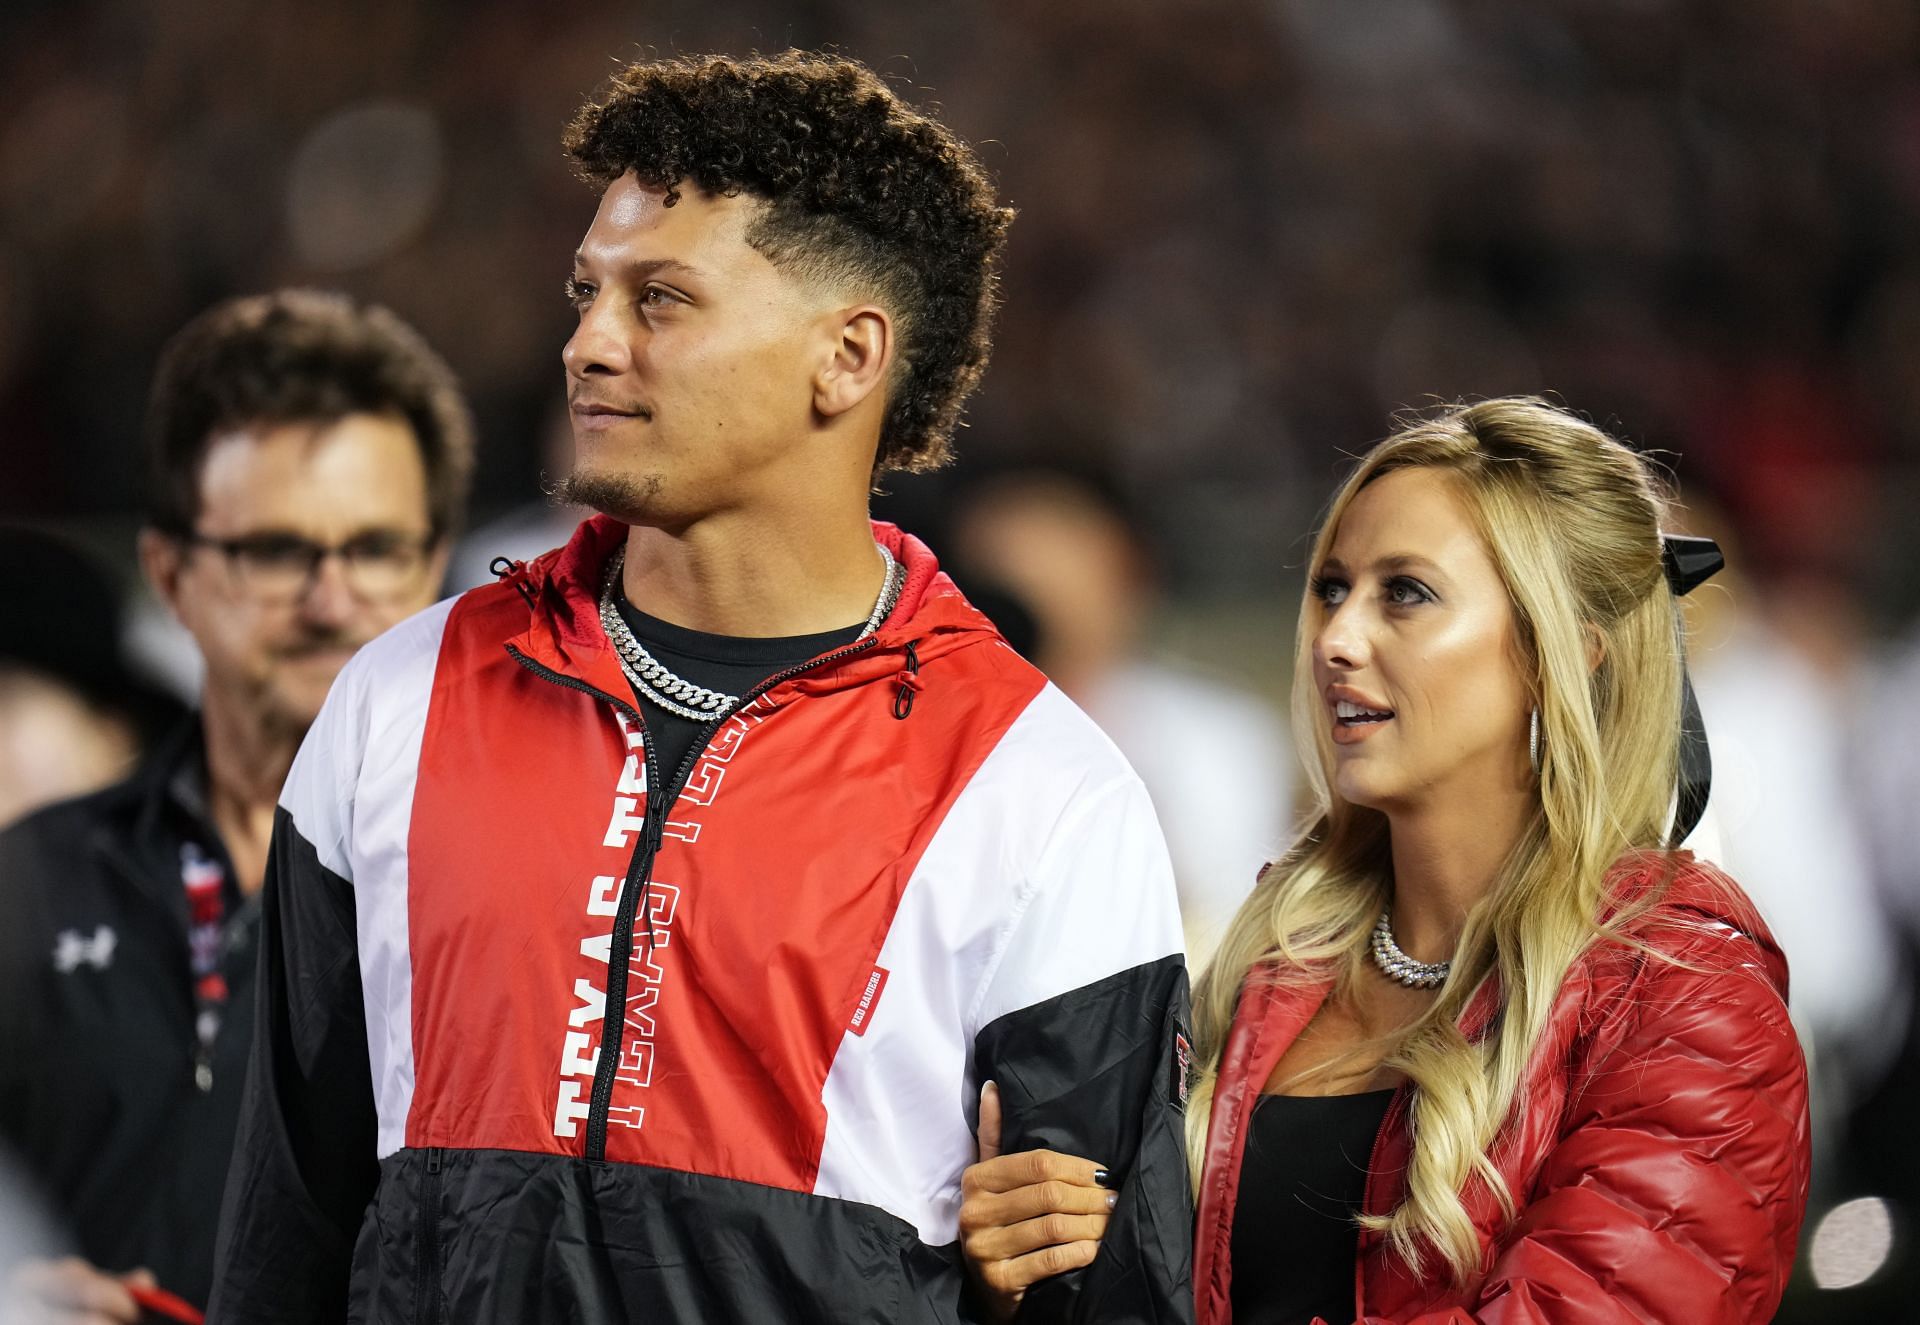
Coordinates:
x,y
860,189
299,356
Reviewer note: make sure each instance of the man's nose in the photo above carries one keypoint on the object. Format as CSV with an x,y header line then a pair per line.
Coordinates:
x,y
599,346
329,600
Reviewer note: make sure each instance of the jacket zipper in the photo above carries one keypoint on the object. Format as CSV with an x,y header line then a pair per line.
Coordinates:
x,y
426,1283
613,1021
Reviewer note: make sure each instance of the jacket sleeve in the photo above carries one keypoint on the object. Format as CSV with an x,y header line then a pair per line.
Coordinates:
x,y
304,1167
1084,1031
1677,1188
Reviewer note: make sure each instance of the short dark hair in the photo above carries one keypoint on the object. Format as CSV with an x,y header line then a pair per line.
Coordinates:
x,y
857,184
299,356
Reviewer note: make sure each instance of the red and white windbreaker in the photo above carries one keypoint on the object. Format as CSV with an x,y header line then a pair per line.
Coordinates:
x,y
537,1044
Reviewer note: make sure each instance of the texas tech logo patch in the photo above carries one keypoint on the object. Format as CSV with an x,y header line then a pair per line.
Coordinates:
x,y
1182,1065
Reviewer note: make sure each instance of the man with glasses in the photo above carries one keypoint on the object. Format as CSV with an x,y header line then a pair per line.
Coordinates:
x,y
309,459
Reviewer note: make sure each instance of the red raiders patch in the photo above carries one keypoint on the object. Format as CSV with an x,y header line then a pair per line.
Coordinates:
x,y
869,998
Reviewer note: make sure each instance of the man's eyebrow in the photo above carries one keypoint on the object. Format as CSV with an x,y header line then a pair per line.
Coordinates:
x,y
648,266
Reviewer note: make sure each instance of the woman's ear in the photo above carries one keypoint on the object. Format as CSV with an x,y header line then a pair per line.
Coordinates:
x,y
1596,647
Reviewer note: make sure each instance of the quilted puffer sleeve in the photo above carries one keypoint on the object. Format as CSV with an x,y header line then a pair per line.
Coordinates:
x,y
1676,1190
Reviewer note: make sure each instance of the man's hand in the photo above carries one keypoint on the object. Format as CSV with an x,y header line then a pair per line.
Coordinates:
x,y
70,1292
1028,1216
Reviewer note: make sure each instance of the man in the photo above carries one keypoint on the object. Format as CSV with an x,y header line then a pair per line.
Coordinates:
x,y
642,929
308,462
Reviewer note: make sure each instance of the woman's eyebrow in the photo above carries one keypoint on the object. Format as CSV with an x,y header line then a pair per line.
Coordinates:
x,y
1392,562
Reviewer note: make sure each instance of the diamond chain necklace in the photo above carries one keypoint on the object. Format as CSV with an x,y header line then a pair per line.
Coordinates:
x,y
1397,966
674,693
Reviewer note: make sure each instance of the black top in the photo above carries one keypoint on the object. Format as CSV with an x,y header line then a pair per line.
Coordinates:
x,y
98,1094
728,663
1302,1181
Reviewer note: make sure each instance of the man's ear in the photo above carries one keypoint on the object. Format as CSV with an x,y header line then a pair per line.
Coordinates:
x,y
161,561
858,360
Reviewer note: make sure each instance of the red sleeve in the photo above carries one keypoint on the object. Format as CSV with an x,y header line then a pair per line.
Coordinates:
x,y
1677,1188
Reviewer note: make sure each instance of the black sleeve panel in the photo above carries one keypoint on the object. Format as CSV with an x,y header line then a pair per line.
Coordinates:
x,y
1100,1072
304,1167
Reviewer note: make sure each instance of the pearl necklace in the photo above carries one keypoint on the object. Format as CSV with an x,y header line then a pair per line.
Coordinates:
x,y
674,693
1397,966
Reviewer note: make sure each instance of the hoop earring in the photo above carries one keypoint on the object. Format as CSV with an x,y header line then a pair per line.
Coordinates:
x,y
1533,741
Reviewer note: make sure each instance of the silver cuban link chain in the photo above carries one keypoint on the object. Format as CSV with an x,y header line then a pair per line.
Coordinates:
x,y
662,686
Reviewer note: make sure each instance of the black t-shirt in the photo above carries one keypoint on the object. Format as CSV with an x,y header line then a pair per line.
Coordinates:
x,y
731,664
1303,1178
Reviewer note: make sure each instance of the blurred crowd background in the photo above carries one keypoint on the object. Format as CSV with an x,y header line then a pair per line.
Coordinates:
x,y
1248,234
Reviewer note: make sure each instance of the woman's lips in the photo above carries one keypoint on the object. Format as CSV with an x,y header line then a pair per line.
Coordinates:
x,y
1356,715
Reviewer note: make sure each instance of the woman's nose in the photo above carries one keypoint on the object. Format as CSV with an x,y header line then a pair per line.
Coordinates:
x,y
1341,642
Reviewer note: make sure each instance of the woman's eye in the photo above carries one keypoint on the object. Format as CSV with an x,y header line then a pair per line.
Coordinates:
x,y
654,297
1402,592
1328,590
577,292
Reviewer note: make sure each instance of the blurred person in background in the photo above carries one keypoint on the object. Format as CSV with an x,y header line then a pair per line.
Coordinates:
x,y
697,869
73,714
1215,759
1480,1046
1781,693
307,462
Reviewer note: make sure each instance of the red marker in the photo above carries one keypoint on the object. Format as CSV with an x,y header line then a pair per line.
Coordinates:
x,y
163,1303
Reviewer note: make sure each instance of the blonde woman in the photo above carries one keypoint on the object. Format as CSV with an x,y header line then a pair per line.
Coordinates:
x,y
1479,1047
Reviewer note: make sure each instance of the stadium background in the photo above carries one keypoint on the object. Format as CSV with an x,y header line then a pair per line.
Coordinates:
x,y
1248,234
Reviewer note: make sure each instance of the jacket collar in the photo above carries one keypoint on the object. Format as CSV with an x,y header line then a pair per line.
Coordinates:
x,y
563,632
144,819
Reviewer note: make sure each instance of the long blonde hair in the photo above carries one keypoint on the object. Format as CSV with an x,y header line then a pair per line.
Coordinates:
x,y
1572,520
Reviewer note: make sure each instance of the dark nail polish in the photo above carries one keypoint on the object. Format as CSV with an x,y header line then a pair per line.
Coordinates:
x,y
1103,1178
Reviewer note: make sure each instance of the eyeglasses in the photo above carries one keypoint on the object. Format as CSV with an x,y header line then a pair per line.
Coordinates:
x,y
378,564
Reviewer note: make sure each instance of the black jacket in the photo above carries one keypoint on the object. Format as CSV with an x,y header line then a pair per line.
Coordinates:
x,y
100,1096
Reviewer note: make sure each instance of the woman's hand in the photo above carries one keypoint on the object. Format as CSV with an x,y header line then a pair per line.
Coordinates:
x,y
1028,1216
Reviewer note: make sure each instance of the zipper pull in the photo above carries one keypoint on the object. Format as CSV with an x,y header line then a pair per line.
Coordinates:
x,y
910,685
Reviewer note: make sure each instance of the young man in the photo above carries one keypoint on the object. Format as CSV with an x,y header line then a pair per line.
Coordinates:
x,y
642,929
308,460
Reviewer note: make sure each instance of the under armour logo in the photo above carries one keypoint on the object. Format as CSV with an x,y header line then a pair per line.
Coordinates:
x,y
74,949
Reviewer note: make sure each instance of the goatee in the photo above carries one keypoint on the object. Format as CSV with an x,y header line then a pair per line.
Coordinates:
x,y
624,497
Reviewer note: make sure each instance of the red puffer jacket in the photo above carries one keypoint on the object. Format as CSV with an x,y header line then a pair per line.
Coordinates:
x,y
1660,1163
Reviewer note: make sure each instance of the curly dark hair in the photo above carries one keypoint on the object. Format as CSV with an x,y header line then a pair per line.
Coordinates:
x,y
299,356
859,186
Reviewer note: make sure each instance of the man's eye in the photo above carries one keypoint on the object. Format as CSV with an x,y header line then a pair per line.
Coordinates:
x,y
376,547
277,553
654,297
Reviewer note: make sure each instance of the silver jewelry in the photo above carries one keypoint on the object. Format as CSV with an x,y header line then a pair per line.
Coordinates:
x,y
1533,741
1397,966
889,598
660,685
